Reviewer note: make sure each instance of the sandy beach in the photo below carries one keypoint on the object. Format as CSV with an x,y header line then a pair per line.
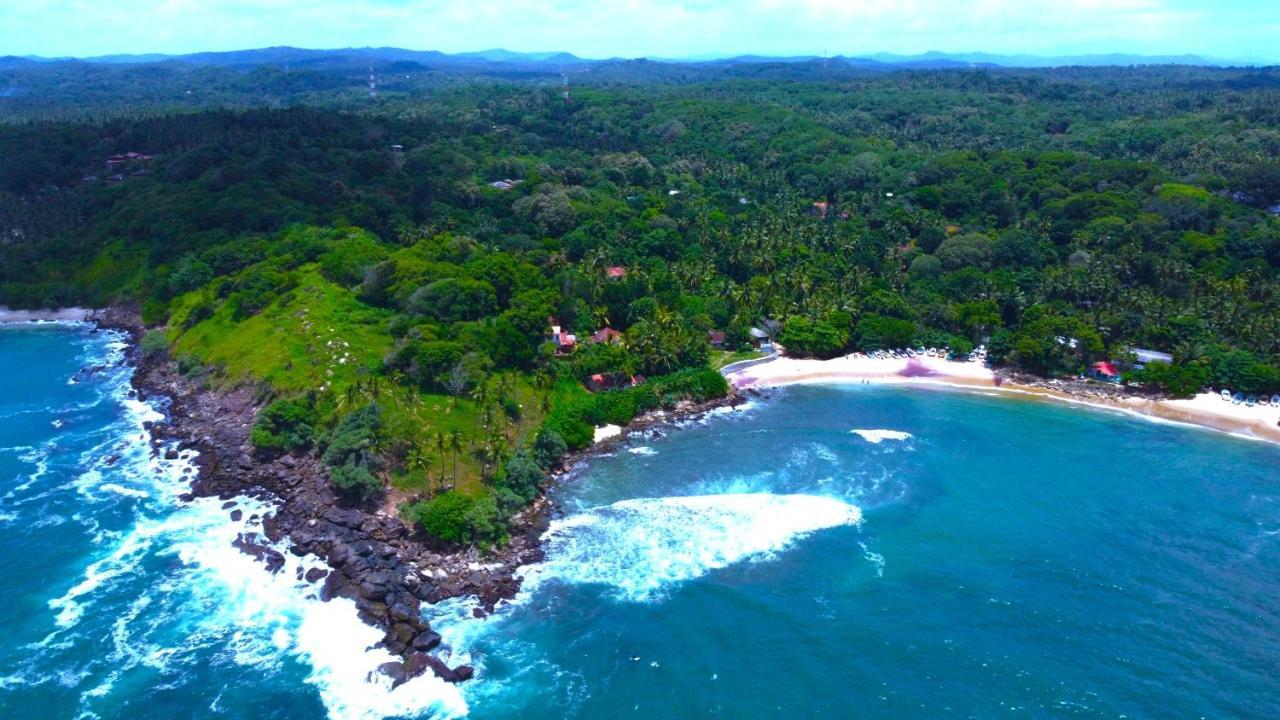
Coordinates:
x,y
1205,410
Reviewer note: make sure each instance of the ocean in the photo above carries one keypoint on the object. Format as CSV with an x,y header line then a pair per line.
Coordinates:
x,y
839,551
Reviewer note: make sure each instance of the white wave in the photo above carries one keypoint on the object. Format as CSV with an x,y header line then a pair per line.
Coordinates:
x,y
822,452
221,596
642,450
121,490
873,557
218,596
271,615
643,547
705,418
879,436
122,561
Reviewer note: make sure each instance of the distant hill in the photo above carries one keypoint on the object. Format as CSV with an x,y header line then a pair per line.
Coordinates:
x,y
1041,61
327,57
498,56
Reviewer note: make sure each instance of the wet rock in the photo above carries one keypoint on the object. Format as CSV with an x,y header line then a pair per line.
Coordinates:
x,y
374,586
236,515
394,670
272,558
401,634
314,574
426,641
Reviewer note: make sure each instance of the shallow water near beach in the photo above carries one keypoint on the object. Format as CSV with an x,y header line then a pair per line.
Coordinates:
x,y
842,551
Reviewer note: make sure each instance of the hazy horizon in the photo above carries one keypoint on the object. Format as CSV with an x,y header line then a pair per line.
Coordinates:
x,y
695,29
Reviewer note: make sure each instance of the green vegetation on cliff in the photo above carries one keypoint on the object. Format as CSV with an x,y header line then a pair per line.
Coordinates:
x,y
408,260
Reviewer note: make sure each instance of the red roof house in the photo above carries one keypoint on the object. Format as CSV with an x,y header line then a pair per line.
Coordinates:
x,y
615,271
606,335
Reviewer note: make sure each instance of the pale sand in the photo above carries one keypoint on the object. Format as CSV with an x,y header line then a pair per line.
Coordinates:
x,y
1205,410
604,432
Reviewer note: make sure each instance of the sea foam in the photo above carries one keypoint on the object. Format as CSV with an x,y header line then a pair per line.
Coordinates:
x,y
879,436
215,597
642,548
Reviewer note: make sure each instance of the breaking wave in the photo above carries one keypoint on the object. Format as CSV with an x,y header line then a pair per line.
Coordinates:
x,y
643,548
161,589
879,436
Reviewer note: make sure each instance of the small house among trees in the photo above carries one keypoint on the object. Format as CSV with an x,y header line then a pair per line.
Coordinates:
x,y
600,382
565,342
606,336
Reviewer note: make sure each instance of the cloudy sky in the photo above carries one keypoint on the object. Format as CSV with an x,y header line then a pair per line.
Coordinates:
x,y
1239,29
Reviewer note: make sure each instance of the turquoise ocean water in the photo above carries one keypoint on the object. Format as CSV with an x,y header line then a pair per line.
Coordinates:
x,y
843,552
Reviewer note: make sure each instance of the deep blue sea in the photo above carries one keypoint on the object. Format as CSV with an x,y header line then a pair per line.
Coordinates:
x,y
842,552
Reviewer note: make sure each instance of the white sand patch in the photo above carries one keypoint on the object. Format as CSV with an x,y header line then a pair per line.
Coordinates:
x,y
859,368
604,432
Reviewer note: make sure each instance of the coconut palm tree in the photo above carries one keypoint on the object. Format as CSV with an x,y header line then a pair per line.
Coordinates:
x,y
455,444
440,442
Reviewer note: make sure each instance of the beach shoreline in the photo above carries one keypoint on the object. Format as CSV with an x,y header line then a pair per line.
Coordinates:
x,y
1206,410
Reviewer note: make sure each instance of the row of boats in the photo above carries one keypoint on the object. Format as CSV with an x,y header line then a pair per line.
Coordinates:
x,y
1239,398
978,355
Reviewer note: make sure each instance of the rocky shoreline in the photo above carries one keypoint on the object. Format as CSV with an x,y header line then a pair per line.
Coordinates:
x,y
1081,389
373,558
659,421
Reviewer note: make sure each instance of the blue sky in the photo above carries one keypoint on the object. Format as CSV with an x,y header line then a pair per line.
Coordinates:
x,y
1244,29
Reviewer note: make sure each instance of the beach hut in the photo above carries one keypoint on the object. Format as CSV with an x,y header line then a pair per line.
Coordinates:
x,y
715,338
760,339
1105,370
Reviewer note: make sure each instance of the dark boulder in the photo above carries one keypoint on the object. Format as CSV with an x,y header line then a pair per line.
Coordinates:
x,y
395,671
426,641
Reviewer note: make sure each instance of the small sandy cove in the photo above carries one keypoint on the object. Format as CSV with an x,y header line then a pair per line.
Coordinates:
x,y
1205,410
